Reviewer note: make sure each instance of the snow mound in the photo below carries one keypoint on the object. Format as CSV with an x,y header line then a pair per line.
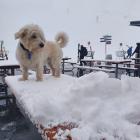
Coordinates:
x,y
104,108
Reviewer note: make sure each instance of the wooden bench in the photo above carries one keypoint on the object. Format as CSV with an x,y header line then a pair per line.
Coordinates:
x,y
133,64
120,67
128,69
70,68
94,69
106,66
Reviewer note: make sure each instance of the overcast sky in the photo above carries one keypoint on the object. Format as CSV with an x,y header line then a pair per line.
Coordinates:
x,y
83,20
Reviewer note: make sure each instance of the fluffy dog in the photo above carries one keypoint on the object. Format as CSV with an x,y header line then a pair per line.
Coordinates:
x,y
34,51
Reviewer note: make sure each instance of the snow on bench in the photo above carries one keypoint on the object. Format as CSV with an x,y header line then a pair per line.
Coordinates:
x,y
94,68
93,106
37,100
127,68
106,66
120,67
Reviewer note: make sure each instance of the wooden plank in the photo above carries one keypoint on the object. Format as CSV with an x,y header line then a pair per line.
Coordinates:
x,y
110,61
128,68
94,68
106,66
110,66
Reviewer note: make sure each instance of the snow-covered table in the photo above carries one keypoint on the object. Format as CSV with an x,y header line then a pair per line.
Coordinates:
x,y
116,62
92,107
37,98
9,65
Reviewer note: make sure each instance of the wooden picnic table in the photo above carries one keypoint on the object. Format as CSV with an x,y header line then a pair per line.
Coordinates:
x,y
132,64
116,62
9,65
35,98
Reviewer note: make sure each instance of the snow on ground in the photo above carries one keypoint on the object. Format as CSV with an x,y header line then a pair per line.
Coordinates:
x,y
103,107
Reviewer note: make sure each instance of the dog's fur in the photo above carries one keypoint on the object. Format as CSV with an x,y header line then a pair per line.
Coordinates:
x,y
32,40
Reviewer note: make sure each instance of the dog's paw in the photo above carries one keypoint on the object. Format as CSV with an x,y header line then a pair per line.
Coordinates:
x,y
22,79
39,79
57,76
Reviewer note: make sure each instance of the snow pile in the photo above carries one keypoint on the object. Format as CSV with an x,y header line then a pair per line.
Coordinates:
x,y
104,108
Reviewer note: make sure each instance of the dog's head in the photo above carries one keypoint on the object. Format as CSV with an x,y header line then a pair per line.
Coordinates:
x,y
31,36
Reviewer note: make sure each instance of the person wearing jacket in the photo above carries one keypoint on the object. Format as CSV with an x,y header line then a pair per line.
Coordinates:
x,y
129,52
137,51
137,55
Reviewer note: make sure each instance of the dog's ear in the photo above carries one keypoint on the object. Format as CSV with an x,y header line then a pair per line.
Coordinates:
x,y
21,33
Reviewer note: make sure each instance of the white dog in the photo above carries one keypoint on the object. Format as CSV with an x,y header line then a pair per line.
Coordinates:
x,y
34,51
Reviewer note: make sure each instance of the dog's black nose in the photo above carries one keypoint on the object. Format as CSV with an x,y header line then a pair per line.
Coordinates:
x,y
41,45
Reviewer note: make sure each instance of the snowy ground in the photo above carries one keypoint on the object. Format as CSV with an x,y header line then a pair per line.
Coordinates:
x,y
104,108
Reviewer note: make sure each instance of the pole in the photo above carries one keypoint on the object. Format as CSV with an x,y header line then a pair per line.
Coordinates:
x,y
1,50
105,49
78,59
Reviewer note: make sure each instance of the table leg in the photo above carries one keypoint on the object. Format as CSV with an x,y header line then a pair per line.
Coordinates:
x,y
63,66
116,71
72,69
12,71
4,70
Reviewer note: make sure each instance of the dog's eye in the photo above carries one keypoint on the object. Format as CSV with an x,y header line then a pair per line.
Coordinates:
x,y
33,36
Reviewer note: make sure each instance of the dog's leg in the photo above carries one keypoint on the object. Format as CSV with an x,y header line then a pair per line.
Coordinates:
x,y
24,74
39,73
57,71
52,69
55,67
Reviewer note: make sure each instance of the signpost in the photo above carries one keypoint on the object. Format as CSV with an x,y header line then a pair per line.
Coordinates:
x,y
107,39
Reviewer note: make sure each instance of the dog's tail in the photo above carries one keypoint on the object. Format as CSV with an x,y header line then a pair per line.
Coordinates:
x,y
62,39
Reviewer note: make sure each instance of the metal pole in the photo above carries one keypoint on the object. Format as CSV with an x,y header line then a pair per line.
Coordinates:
x,y
63,61
2,55
1,46
105,49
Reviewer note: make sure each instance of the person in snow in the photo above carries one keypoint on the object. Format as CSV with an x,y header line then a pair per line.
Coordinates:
x,y
82,52
137,51
129,52
122,49
137,55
